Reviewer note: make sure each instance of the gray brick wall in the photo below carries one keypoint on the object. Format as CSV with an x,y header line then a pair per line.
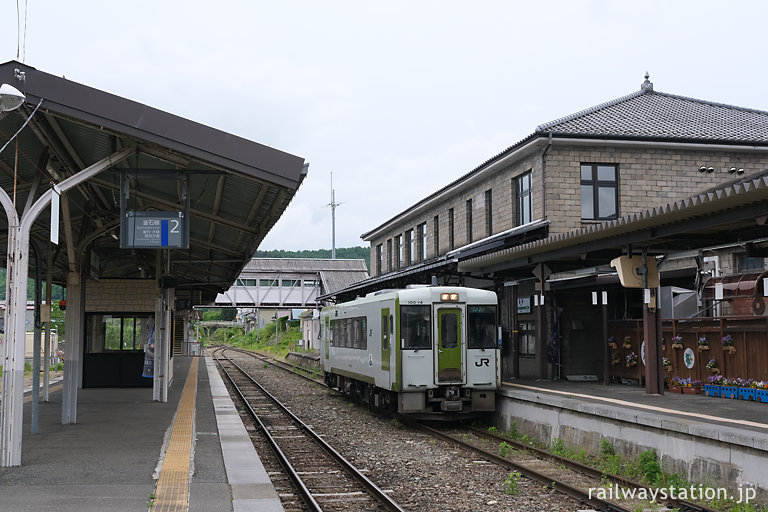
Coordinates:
x,y
648,177
121,295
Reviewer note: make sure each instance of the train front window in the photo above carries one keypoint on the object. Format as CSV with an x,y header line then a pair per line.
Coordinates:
x,y
482,326
416,327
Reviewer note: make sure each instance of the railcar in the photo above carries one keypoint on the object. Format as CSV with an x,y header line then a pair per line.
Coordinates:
x,y
427,350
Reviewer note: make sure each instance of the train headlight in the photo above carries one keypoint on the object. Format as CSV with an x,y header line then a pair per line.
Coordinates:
x,y
449,297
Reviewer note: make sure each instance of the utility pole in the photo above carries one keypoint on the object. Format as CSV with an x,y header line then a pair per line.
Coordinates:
x,y
333,204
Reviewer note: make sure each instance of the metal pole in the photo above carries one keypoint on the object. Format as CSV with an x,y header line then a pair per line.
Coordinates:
x,y
48,324
36,345
606,351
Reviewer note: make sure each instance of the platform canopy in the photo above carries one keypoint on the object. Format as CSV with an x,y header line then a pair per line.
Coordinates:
x,y
237,188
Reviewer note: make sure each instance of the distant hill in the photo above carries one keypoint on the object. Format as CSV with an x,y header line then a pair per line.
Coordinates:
x,y
342,253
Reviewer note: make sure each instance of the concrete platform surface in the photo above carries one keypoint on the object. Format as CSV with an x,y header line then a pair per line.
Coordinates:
x,y
111,458
740,414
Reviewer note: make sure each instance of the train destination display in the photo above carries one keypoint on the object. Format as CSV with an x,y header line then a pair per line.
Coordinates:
x,y
155,230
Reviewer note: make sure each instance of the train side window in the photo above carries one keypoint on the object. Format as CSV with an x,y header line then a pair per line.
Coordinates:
x,y
391,325
416,327
482,326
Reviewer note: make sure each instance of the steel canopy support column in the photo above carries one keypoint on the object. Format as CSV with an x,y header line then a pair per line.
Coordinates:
x,y
73,350
18,274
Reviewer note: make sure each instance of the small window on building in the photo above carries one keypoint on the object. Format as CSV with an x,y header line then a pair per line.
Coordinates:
x,y
523,201
398,251
310,283
410,243
117,332
422,233
599,191
745,263
436,235
267,282
469,221
379,260
290,283
527,334
451,239
390,268
488,212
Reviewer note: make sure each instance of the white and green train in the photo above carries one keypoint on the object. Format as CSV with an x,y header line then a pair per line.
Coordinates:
x,y
426,350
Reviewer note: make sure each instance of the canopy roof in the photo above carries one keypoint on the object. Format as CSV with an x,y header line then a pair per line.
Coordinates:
x,y
237,188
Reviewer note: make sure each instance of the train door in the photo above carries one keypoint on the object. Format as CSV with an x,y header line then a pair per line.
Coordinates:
x,y
327,337
386,336
449,359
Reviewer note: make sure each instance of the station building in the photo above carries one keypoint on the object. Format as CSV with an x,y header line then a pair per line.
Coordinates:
x,y
650,174
156,214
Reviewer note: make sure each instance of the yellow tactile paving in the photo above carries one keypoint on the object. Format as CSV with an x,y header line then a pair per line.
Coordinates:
x,y
172,492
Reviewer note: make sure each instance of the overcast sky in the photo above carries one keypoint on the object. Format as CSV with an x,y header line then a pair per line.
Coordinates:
x,y
396,98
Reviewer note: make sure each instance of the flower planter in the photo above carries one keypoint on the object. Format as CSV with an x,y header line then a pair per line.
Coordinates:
x,y
714,370
747,393
729,349
612,345
677,345
703,348
762,395
627,345
712,390
675,389
691,390
668,368
729,391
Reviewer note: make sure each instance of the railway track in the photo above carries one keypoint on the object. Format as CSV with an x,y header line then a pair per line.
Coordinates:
x,y
321,477
548,469
533,467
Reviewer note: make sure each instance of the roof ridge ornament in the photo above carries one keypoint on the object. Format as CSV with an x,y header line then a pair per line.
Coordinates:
x,y
647,86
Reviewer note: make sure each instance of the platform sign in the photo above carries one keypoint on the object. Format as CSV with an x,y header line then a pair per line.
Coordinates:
x,y
154,230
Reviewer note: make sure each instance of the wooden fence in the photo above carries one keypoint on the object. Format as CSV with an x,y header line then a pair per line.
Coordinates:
x,y
748,360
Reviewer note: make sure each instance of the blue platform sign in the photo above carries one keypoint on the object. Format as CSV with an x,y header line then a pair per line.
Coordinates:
x,y
155,230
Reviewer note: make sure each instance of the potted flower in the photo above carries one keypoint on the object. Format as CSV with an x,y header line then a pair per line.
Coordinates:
x,y
666,363
715,383
677,341
712,366
612,342
631,359
727,342
674,384
627,342
703,343
761,390
615,358
691,386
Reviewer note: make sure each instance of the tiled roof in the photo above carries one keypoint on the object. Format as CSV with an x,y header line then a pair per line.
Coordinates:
x,y
658,115
645,115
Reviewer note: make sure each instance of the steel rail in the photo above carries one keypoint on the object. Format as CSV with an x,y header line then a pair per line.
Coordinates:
x,y
564,488
288,367
372,488
305,493
583,468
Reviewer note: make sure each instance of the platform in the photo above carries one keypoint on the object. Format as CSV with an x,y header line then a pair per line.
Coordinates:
x,y
717,440
124,444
